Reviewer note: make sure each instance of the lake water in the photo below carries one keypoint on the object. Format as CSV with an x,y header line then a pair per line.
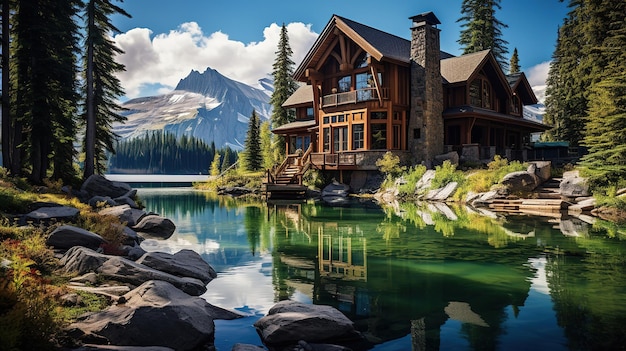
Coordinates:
x,y
411,277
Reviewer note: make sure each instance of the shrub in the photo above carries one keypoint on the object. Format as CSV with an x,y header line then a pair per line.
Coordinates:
x,y
389,164
447,173
411,177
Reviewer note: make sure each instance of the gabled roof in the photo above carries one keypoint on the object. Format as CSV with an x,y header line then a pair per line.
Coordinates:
x,y
302,96
461,68
378,44
521,87
301,125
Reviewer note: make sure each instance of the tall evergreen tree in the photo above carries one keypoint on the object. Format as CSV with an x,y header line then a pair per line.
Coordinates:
x,y
102,87
482,30
514,64
284,86
267,149
252,144
44,43
7,118
605,128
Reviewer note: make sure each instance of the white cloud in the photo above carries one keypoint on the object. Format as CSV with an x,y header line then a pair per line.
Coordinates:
x,y
156,64
538,74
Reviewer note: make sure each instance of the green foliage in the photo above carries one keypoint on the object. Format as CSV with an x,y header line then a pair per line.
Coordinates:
x,y
481,30
252,144
412,176
389,164
89,303
268,151
315,179
514,64
447,173
215,165
108,227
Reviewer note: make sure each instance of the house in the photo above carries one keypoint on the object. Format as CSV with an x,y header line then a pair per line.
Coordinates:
x,y
365,92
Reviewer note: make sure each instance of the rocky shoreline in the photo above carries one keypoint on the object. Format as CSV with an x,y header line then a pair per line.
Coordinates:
x,y
154,297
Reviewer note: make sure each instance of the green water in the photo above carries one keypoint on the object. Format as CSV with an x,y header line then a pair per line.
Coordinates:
x,y
411,277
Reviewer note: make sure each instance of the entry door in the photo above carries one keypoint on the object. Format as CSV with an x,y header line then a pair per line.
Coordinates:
x,y
340,139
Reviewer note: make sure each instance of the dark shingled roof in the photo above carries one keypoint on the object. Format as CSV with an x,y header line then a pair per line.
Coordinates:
x,y
303,95
459,69
295,125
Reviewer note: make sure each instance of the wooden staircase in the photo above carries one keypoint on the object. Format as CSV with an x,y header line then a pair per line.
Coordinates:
x,y
285,181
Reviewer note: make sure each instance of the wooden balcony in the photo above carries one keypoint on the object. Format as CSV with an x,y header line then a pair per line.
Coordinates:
x,y
351,160
354,96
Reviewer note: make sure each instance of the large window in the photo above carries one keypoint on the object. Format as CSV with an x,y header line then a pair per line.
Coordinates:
x,y
299,143
357,136
480,93
340,138
344,84
378,136
326,138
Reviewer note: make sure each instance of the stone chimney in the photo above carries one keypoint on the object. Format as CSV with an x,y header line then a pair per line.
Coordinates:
x,y
425,119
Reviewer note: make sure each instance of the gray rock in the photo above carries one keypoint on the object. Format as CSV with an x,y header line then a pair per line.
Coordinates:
x,y
425,182
336,189
184,263
451,156
66,236
573,185
125,200
520,182
288,322
82,260
126,271
543,170
442,194
126,214
91,278
99,201
98,185
155,314
155,226
57,213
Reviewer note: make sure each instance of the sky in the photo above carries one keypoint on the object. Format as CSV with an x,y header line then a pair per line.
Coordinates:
x,y
165,40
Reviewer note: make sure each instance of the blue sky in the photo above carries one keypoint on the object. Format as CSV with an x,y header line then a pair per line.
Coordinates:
x,y
164,40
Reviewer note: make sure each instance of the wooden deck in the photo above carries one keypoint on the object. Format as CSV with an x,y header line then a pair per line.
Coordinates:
x,y
284,191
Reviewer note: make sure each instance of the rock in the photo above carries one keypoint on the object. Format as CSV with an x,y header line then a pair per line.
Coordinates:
x,y
543,170
520,182
125,200
98,185
133,252
442,194
155,314
288,322
66,236
127,271
101,201
126,214
485,198
336,189
573,185
184,263
57,213
82,260
70,299
155,226
91,278
425,182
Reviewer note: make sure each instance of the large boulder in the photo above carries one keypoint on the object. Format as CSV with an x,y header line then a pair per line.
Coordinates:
x,y
97,185
184,263
126,271
521,181
155,226
155,314
50,214
288,322
442,194
82,260
66,236
573,185
125,213
425,182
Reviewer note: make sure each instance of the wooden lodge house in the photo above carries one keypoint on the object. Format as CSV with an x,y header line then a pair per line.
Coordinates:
x,y
366,92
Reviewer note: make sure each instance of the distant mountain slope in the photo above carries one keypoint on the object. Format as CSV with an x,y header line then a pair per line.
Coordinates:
x,y
207,105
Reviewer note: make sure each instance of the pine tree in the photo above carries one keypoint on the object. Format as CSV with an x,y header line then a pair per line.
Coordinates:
x,y
42,78
252,144
284,86
102,87
514,64
482,30
215,165
7,118
267,149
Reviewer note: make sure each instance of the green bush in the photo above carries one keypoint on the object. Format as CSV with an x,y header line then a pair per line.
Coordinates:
x,y
447,173
412,176
389,165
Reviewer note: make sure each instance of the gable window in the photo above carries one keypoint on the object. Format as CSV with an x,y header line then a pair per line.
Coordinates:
x,y
480,93
515,105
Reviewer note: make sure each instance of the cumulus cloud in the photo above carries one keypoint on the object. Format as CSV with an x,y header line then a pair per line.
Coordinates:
x,y
538,74
156,63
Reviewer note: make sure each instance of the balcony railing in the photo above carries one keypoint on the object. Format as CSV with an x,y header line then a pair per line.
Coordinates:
x,y
352,97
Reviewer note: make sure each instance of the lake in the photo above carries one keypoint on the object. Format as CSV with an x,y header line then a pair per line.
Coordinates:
x,y
411,276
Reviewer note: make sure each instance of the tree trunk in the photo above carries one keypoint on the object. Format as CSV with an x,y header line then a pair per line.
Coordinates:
x,y
6,114
90,132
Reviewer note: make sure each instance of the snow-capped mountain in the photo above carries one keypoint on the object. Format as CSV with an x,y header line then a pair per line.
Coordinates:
x,y
208,106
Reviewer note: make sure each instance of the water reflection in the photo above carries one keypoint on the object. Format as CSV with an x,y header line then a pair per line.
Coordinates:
x,y
412,276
